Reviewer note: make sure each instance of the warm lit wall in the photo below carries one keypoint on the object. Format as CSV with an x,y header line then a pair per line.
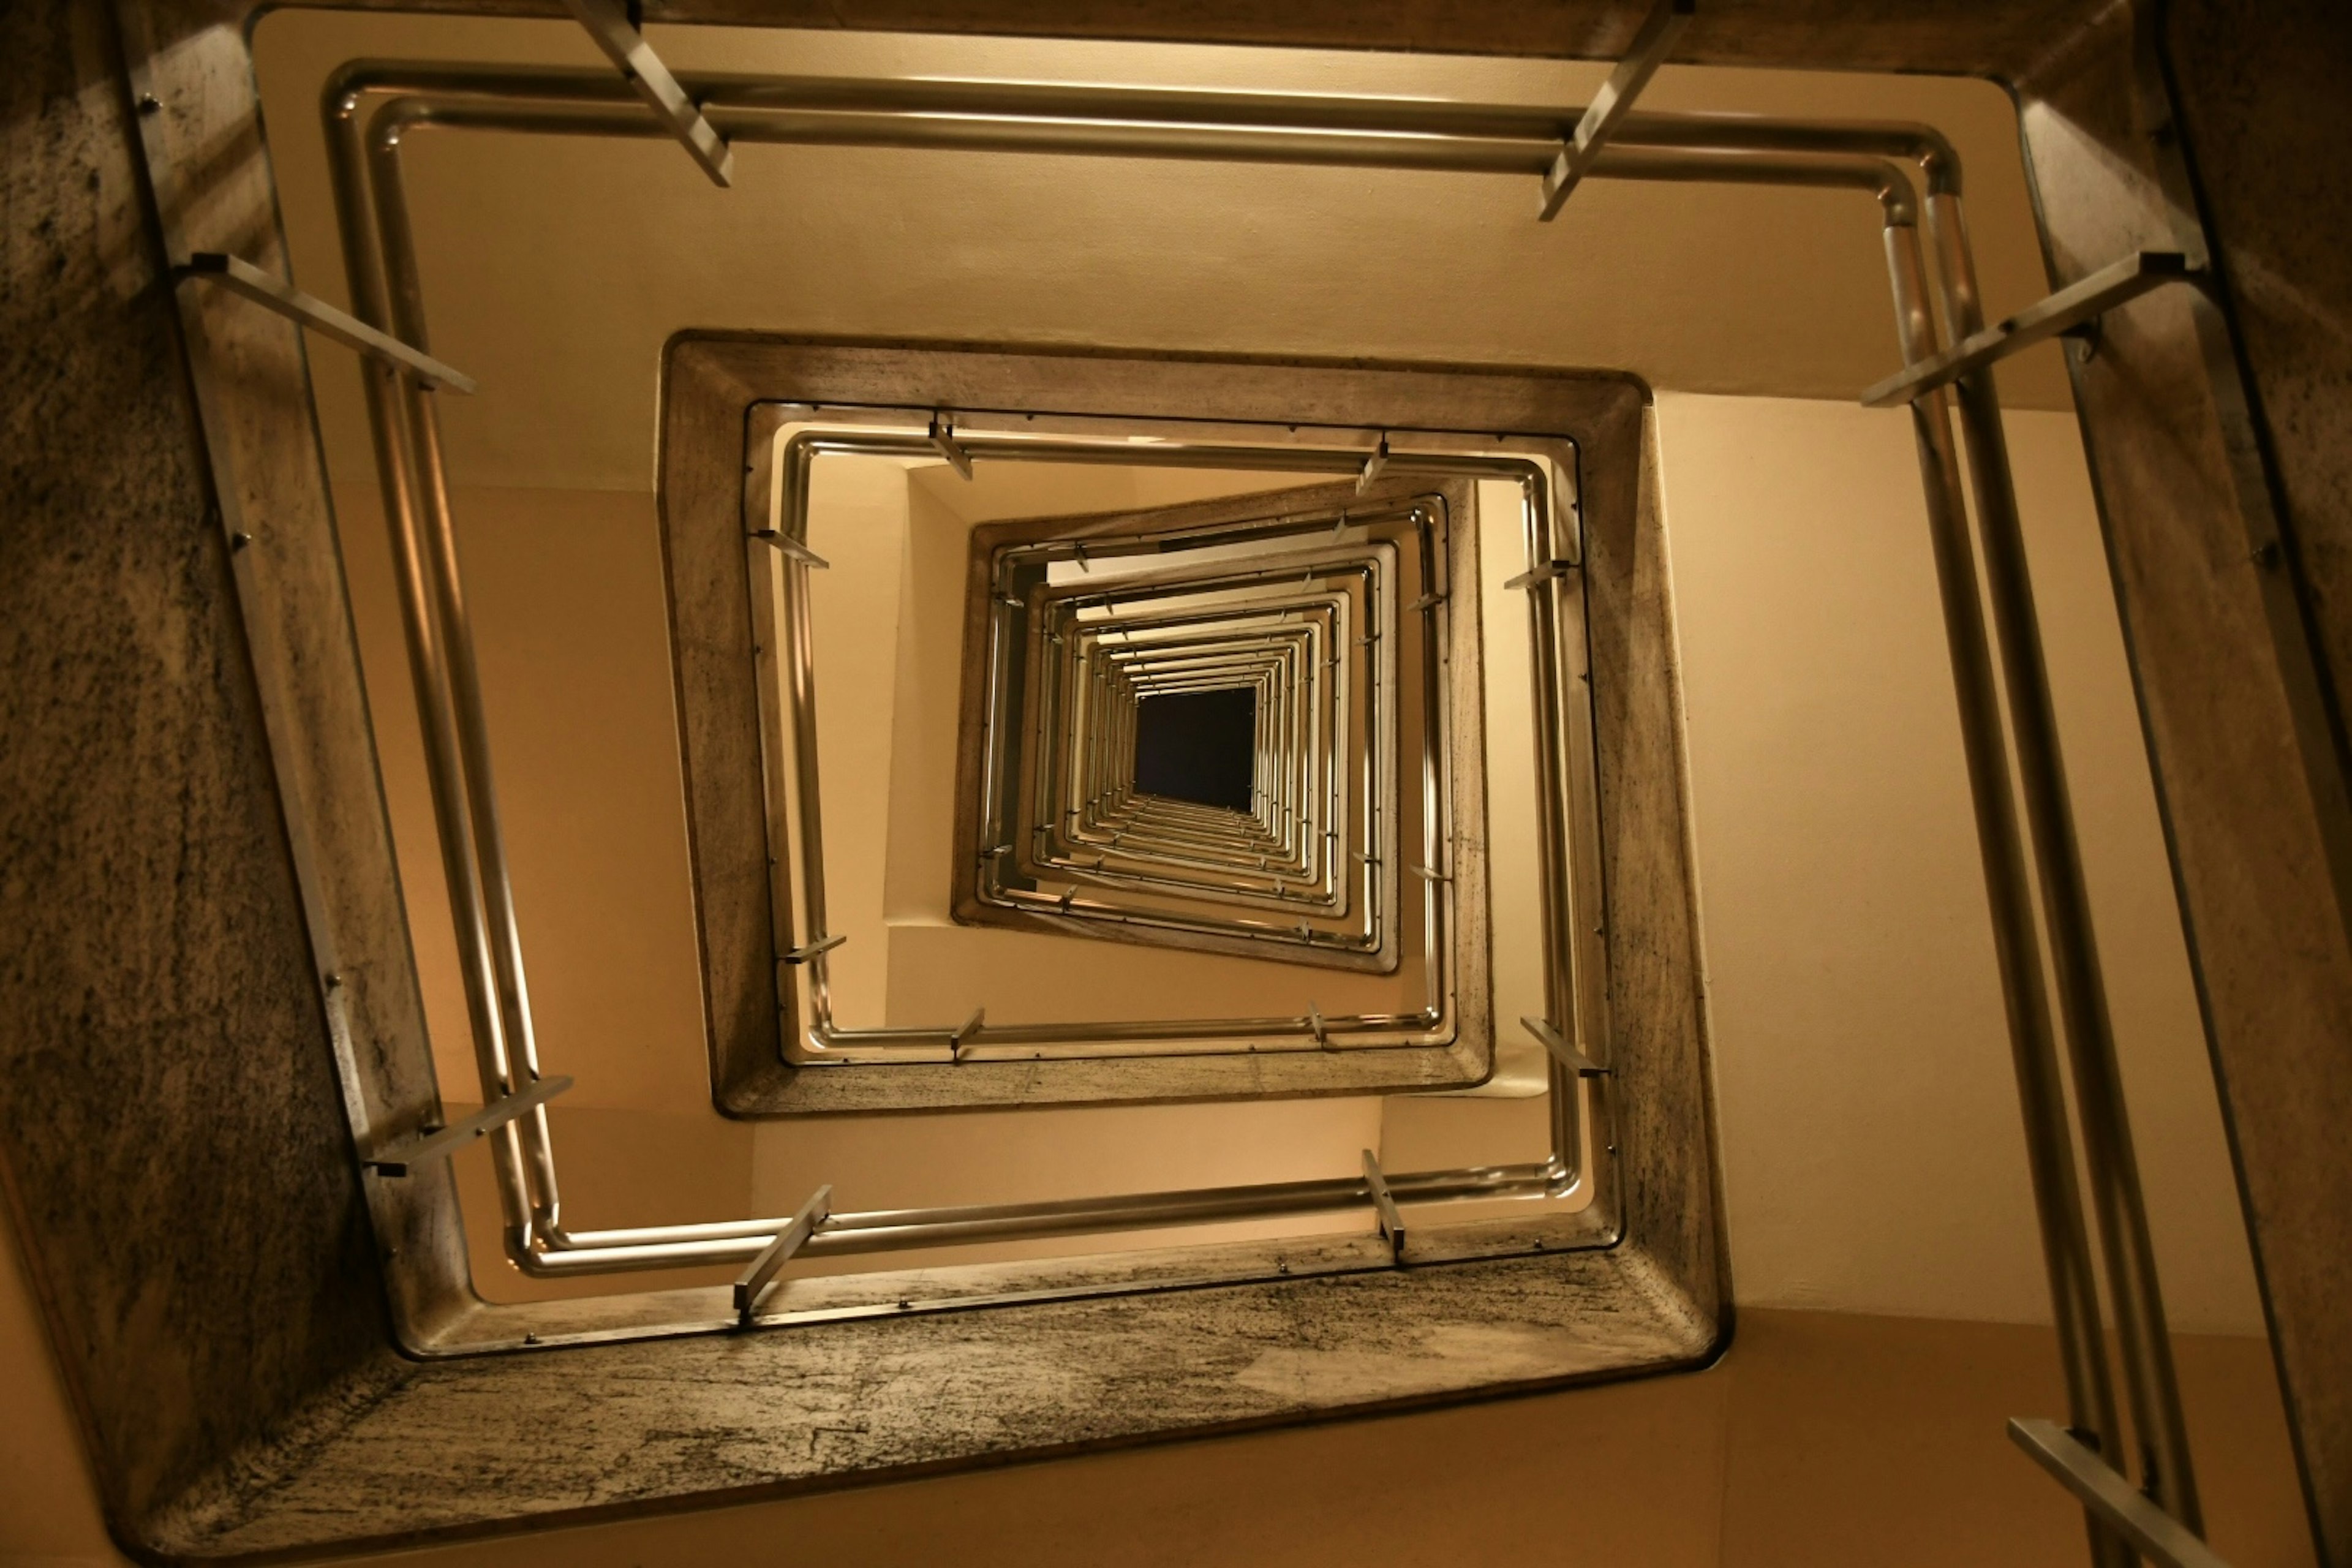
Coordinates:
x,y
1873,1154
564,588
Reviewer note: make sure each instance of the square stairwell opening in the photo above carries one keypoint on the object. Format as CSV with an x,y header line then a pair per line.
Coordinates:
x,y
1198,746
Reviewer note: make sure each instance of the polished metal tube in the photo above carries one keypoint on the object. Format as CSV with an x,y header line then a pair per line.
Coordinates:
x,y
2136,1297
1226,126
2141,1330
2143,1336
1561,973
894,1230
2041,1095
799,663
1015,102
462,679
1437,152
388,416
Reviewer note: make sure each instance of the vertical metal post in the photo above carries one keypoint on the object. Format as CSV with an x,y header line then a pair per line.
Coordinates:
x,y
1556,905
2141,1332
1643,56
2065,1245
387,425
797,659
608,23
462,691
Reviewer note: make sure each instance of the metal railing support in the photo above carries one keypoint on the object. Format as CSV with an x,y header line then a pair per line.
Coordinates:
x,y
2049,1158
1609,106
608,23
2150,1381
403,1158
2147,1529
1384,1205
1567,1055
460,690
2064,311
239,276
761,1274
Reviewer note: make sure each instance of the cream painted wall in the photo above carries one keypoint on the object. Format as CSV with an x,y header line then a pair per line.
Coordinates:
x,y
555,268
923,717
564,591
1522,1066
857,521
1873,1157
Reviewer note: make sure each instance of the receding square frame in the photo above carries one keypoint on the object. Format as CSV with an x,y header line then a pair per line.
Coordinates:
x,y
1457,1025
1604,684
1338,904
1058,770
1174,627
795,1062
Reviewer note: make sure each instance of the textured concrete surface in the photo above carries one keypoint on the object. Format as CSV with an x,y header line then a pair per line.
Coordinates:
x,y
2226,582
1950,37
2263,105
1660,1100
175,1152
570,1435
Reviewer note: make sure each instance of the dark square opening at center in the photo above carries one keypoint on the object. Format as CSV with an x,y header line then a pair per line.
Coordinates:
x,y
1198,746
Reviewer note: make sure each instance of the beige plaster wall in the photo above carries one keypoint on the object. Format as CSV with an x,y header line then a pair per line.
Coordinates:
x,y
564,590
1873,1157
857,513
